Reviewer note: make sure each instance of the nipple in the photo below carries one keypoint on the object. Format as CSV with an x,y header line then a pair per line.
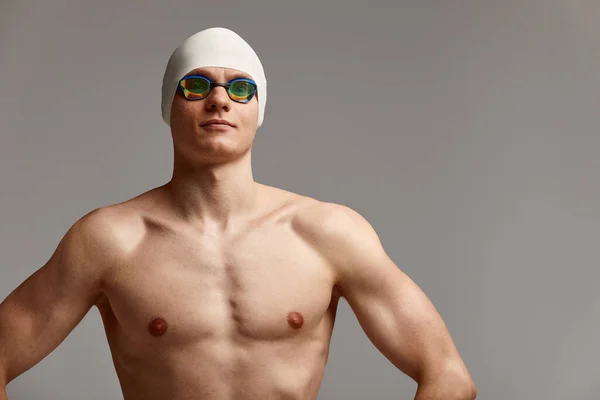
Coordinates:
x,y
295,320
157,327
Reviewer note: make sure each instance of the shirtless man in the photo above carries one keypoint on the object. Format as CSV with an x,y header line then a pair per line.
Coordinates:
x,y
217,287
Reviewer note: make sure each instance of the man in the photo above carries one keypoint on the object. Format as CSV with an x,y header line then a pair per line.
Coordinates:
x,y
214,286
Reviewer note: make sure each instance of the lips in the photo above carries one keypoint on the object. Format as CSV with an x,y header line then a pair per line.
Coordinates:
x,y
217,122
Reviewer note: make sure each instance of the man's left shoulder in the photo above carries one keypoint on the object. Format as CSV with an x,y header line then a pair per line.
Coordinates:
x,y
331,224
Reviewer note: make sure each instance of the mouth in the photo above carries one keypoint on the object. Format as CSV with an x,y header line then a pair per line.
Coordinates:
x,y
217,123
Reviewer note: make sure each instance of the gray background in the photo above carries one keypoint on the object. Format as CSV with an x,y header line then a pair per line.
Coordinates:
x,y
466,132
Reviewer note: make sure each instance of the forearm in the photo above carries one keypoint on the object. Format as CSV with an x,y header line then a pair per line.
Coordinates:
x,y
3,395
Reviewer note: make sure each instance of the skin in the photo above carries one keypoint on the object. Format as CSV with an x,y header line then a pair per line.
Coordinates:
x,y
214,286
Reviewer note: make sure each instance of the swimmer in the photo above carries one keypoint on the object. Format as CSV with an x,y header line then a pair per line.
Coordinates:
x,y
215,286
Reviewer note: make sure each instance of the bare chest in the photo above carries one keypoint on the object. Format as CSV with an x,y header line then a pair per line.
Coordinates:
x,y
267,284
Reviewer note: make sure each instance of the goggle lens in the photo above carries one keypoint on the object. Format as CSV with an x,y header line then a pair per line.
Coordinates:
x,y
241,90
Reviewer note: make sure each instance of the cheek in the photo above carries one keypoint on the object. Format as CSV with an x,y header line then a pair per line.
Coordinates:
x,y
182,112
250,114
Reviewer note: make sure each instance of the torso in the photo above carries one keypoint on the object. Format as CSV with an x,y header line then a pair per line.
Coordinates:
x,y
197,314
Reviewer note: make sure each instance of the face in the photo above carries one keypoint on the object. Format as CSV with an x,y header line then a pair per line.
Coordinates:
x,y
199,142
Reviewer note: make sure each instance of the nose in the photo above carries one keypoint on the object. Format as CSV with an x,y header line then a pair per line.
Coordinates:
x,y
218,99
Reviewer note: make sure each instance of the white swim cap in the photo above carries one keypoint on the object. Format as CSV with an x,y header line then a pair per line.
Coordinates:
x,y
213,47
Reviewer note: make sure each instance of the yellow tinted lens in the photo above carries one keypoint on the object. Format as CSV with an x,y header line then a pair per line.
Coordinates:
x,y
195,87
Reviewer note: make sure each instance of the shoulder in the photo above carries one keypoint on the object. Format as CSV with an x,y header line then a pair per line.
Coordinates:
x,y
104,224
331,220
103,235
121,227
341,234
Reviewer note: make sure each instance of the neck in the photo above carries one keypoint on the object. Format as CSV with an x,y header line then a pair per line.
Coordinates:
x,y
215,194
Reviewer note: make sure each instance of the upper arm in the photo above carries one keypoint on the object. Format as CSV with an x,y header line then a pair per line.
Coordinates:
x,y
393,311
39,314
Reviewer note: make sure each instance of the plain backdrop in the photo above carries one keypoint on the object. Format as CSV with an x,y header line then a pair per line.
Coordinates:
x,y
466,132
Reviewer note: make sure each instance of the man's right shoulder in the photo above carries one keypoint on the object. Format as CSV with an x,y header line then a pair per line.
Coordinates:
x,y
109,233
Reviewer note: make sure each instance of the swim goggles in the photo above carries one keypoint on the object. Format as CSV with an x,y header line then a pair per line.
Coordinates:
x,y
198,87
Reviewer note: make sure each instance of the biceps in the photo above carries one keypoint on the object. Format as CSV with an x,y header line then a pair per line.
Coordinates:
x,y
400,320
39,314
